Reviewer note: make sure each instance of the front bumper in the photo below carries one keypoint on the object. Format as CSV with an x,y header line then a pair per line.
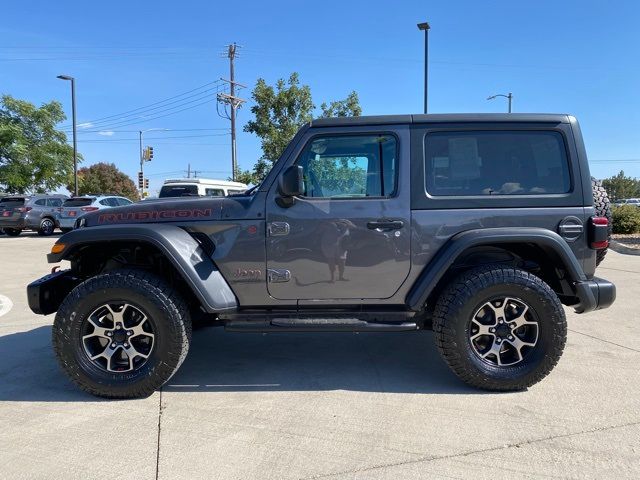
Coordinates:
x,y
47,293
594,294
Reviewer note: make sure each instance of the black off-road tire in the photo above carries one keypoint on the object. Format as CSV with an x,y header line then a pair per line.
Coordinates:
x,y
603,209
452,322
47,227
12,232
149,294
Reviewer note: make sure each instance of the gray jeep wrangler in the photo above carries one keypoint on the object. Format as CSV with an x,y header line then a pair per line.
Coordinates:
x,y
479,227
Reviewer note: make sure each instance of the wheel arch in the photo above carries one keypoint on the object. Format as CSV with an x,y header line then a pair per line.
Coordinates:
x,y
91,250
541,251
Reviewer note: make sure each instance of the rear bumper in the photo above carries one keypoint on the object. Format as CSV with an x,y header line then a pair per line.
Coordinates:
x,y
594,294
66,222
47,293
13,223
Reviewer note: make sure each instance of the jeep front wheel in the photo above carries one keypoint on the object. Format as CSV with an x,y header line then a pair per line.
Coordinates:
x,y
121,334
500,328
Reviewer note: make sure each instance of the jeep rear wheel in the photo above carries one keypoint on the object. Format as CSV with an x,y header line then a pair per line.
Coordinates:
x,y
499,328
121,334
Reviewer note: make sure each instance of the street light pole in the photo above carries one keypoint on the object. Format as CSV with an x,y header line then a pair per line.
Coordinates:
x,y
509,97
73,118
425,26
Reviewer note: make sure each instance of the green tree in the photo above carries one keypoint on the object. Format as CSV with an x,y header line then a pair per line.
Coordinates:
x,y
620,186
105,178
34,155
278,114
349,107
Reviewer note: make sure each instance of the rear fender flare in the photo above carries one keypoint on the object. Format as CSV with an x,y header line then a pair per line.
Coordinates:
x,y
180,248
458,244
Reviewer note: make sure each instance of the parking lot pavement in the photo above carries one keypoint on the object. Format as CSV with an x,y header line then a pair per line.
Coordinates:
x,y
339,406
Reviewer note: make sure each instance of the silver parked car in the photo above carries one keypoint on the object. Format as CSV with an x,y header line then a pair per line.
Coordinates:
x,y
29,212
75,207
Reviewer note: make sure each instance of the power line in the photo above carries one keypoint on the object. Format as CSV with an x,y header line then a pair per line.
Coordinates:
x,y
97,120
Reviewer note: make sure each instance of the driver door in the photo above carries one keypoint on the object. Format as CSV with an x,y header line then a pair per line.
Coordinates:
x,y
347,236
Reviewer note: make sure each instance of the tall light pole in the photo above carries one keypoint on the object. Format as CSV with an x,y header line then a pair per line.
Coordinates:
x,y
75,144
425,26
142,132
509,96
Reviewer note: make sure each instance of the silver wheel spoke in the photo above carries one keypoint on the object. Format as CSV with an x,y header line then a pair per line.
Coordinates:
x,y
98,331
138,329
521,321
482,329
519,344
495,350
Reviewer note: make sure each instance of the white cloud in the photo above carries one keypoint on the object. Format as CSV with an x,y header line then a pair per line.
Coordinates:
x,y
106,133
85,125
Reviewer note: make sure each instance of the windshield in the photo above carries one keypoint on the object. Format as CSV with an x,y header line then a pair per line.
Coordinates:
x,y
178,191
78,202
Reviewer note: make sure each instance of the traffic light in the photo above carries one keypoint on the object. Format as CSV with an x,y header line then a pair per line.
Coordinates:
x,y
147,154
146,183
140,180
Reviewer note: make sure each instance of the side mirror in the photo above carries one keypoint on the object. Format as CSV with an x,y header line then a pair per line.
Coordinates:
x,y
291,183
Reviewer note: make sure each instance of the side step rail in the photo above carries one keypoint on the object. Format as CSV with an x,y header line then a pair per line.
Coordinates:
x,y
286,324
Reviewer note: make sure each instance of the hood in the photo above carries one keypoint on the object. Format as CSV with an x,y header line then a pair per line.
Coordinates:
x,y
176,210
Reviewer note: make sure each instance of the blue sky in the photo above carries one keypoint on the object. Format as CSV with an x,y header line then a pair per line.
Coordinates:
x,y
578,57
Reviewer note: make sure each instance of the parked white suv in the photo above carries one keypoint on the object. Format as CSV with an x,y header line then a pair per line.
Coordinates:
x,y
200,187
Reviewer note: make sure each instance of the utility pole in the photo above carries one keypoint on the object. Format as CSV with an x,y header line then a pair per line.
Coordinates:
x,y
233,102
75,144
509,96
189,170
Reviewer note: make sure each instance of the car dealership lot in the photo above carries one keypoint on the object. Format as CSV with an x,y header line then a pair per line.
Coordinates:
x,y
341,406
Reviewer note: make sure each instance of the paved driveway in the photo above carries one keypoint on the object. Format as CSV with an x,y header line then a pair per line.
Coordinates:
x,y
339,406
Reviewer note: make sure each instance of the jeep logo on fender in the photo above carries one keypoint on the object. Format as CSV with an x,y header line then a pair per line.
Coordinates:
x,y
154,215
247,274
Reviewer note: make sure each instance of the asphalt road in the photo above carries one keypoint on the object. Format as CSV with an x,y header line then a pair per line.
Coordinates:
x,y
338,406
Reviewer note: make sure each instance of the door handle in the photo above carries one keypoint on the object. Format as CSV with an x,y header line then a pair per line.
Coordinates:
x,y
385,225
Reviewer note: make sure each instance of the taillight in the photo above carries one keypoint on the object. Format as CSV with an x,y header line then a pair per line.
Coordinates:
x,y
89,209
24,209
599,237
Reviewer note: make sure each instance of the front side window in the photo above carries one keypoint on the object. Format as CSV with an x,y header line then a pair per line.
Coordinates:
x,y
357,166
41,202
496,163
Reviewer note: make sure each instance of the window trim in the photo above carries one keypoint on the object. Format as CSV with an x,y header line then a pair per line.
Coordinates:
x,y
356,134
497,197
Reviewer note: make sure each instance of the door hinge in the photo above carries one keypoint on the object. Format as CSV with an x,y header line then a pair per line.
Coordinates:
x,y
278,229
278,275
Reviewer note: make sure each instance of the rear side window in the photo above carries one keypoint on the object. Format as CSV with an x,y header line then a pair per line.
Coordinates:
x,y
123,201
78,202
214,192
496,163
54,202
41,202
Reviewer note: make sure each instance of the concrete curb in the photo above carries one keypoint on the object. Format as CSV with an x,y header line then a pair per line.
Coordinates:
x,y
620,248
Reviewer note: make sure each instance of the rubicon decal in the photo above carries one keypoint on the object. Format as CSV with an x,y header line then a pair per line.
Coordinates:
x,y
154,215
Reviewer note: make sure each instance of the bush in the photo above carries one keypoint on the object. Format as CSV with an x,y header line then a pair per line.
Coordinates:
x,y
626,219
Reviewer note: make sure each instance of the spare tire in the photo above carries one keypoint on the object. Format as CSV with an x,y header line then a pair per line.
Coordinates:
x,y
603,209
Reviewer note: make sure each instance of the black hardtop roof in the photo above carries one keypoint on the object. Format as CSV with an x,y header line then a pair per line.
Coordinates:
x,y
442,118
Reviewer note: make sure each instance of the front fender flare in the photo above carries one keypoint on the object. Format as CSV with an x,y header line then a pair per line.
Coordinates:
x,y
546,239
180,248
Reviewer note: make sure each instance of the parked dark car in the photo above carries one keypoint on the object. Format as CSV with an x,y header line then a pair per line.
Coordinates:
x,y
30,212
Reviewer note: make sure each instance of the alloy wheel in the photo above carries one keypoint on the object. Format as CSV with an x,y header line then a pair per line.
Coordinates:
x,y
503,331
118,337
